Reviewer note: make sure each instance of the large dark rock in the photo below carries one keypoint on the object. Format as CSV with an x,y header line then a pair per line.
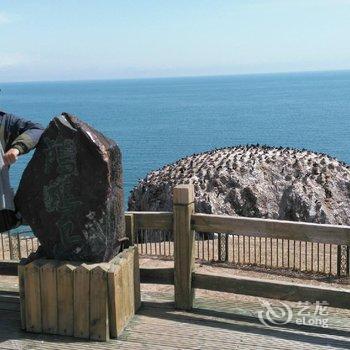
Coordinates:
x,y
71,192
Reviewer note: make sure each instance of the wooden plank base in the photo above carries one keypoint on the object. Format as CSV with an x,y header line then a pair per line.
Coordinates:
x,y
91,301
215,323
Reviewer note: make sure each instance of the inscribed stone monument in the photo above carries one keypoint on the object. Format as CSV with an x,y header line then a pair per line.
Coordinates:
x,y
71,192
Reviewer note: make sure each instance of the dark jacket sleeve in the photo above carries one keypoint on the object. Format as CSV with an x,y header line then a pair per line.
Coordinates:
x,y
21,134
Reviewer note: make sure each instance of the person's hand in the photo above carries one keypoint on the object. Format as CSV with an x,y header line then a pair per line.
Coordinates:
x,y
11,156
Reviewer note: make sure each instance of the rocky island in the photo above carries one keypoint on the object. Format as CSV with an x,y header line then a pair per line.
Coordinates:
x,y
254,181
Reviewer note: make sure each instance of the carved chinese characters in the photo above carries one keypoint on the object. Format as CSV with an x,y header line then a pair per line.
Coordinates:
x,y
71,192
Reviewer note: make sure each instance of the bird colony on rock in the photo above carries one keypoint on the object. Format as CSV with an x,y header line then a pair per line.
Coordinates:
x,y
254,181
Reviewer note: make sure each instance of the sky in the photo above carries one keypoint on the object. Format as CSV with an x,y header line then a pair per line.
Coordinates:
x,y
49,40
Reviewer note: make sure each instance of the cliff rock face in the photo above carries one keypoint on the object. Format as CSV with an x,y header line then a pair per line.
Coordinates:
x,y
71,192
264,182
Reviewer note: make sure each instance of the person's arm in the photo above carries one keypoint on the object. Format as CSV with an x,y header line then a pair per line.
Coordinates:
x,y
21,136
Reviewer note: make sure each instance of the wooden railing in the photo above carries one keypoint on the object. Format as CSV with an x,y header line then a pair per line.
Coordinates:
x,y
250,242
283,255
183,222
17,245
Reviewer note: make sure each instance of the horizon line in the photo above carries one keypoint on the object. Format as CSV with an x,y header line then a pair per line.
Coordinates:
x,y
176,77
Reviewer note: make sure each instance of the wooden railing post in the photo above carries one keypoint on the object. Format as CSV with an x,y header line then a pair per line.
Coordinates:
x,y
129,228
19,247
10,245
183,208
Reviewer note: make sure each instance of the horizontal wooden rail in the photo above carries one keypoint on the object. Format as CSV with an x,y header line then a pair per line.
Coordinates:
x,y
8,267
147,275
336,297
273,290
152,220
157,275
299,231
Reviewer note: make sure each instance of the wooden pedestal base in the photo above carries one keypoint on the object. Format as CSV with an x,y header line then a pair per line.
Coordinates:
x,y
93,301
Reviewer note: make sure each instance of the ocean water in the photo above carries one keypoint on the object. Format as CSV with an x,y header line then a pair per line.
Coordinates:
x,y
157,121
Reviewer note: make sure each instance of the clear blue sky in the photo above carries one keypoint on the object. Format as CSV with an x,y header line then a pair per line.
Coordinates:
x,y
108,39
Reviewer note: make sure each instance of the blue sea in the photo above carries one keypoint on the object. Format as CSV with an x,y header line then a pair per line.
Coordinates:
x,y
157,121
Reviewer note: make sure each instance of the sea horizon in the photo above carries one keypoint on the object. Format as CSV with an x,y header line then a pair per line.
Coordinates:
x,y
156,121
296,72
